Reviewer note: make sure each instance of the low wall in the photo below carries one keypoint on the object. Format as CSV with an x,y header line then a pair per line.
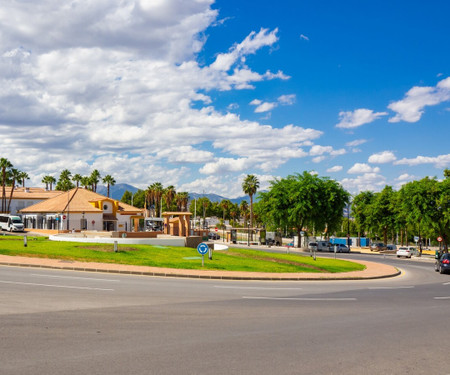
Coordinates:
x,y
135,234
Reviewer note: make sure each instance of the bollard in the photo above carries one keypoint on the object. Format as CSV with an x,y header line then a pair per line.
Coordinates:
x,y
25,241
115,247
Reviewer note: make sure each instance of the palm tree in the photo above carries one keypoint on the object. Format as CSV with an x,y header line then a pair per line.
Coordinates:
x,y
5,164
250,186
77,178
48,181
95,178
182,199
225,204
243,208
14,175
153,194
169,196
85,181
65,181
23,176
51,181
109,181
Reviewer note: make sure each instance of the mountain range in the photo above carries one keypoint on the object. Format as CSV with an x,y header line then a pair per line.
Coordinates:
x,y
118,190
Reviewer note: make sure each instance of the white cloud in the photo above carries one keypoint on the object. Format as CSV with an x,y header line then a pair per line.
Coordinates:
x,y
411,108
441,161
359,168
287,99
336,168
304,37
268,106
356,142
350,120
367,181
382,157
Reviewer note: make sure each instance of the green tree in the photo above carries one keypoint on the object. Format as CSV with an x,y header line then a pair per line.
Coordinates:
x,y
182,199
5,165
65,181
77,179
250,187
95,179
154,194
169,196
14,175
361,211
23,176
109,181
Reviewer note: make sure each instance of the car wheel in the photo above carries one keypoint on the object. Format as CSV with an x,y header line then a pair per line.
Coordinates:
x,y
441,270
436,268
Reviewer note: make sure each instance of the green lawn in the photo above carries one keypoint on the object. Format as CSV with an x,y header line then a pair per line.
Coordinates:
x,y
173,257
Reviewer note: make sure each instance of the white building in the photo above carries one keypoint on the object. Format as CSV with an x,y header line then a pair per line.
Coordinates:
x,y
81,209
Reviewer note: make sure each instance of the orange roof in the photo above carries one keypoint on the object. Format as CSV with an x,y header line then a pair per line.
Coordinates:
x,y
30,193
76,200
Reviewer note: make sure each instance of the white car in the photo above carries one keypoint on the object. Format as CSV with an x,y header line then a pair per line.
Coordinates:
x,y
341,248
404,252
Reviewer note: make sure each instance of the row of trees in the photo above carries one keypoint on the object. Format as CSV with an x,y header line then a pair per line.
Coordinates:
x,y
9,177
67,181
421,207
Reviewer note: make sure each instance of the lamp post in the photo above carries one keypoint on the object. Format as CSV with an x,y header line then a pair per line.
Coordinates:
x,y
348,225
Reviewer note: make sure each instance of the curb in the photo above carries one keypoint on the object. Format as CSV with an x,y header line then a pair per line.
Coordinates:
x,y
217,276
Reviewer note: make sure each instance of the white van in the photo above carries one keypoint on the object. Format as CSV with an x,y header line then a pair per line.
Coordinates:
x,y
323,246
11,223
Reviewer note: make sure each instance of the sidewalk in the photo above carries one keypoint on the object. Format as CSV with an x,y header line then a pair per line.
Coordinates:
x,y
373,270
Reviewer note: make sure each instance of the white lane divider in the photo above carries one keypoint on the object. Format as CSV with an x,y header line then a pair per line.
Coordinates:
x,y
75,278
56,286
441,297
253,287
300,298
391,287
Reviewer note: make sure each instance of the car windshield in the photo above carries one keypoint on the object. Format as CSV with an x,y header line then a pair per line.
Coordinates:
x,y
17,221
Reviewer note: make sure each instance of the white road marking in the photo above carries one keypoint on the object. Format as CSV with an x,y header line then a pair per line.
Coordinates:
x,y
446,284
74,277
441,297
300,298
56,286
253,287
391,287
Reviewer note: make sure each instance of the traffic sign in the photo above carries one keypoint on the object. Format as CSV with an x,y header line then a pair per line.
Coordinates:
x,y
64,217
439,239
202,248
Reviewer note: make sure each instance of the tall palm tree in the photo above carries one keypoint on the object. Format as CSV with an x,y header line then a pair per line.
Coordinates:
x,y
77,178
95,179
5,164
51,181
182,199
154,193
169,196
109,181
225,204
23,176
250,186
65,181
85,181
14,175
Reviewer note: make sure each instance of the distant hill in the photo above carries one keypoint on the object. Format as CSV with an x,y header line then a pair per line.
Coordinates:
x,y
118,190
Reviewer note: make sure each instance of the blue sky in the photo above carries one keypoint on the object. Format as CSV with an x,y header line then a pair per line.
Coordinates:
x,y
197,94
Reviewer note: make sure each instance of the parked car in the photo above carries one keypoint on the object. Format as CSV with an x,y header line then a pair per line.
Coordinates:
x,y
213,236
378,246
341,248
443,263
404,252
391,247
323,246
312,246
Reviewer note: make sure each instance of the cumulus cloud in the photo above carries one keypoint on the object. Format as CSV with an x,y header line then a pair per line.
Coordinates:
x,y
359,168
117,83
411,107
350,120
382,157
441,161
368,181
336,168
356,142
268,106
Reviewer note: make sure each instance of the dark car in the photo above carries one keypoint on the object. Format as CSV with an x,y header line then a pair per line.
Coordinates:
x,y
379,246
213,236
443,263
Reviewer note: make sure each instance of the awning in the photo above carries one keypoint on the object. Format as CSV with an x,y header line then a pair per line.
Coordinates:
x,y
109,217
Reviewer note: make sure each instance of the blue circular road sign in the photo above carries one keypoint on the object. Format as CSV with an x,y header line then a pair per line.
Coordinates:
x,y
202,248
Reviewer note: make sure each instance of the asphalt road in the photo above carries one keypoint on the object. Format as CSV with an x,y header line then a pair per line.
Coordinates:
x,y
64,322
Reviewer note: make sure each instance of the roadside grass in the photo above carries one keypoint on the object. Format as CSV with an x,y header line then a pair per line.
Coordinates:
x,y
173,257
